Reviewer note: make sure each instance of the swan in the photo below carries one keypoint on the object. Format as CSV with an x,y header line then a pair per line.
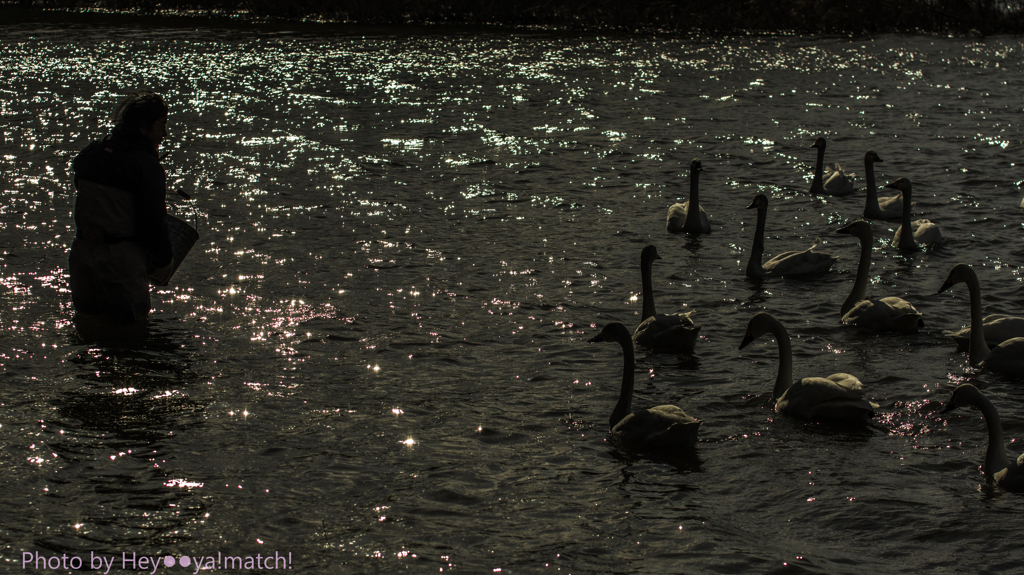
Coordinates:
x,y
876,208
923,231
886,314
835,182
1008,355
680,218
998,468
673,332
997,327
838,397
786,264
657,427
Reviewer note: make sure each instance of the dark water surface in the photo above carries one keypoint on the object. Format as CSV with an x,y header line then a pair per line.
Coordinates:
x,y
376,359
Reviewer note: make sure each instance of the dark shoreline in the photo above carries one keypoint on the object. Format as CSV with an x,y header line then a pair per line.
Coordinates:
x,y
843,17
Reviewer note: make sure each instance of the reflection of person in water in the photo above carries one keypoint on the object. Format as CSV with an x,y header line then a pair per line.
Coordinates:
x,y
121,239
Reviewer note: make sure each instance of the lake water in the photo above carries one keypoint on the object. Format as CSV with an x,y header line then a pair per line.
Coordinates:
x,y
376,358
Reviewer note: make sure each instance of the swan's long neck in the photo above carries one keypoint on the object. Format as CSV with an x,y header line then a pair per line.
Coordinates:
x,y
625,403
979,349
692,223
647,290
860,285
817,185
995,455
906,234
872,201
785,378
754,268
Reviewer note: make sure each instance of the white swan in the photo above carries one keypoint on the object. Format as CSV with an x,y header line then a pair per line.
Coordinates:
x,y
922,231
876,208
663,426
998,468
838,397
794,263
680,218
1008,355
886,314
835,182
672,332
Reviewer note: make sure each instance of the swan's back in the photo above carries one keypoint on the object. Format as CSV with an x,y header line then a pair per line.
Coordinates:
x,y
838,397
837,182
886,314
664,426
1007,357
671,331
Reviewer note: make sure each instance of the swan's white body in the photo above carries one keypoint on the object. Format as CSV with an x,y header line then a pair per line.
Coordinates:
x,y
680,217
876,208
885,314
1008,355
671,332
998,468
835,182
664,426
922,231
796,263
836,398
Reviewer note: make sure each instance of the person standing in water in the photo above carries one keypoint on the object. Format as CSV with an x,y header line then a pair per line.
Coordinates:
x,y
121,239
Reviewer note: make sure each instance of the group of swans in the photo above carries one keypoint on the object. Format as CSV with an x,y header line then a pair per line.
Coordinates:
x,y
837,398
836,182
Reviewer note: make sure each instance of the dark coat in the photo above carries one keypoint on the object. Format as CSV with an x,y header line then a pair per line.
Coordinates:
x,y
128,161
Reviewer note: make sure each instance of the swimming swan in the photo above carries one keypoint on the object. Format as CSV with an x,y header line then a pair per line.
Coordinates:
x,y
838,397
998,468
923,231
680,218
671,332
658,427
876,208
1008,355
785,264
886,314
836,182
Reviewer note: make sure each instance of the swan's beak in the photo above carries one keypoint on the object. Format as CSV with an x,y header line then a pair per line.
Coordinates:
x,y
893,185
753,204
949,406
945,286
746,341
844,230
596,339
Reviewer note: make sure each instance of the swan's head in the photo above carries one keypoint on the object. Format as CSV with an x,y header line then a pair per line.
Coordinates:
x,y
963,395
760,324
695,166
819,143
614,331
649,254
760,202
858,229
871,156
961,273
901,184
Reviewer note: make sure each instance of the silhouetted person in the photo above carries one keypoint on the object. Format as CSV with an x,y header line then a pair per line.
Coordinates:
x,y
120,206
